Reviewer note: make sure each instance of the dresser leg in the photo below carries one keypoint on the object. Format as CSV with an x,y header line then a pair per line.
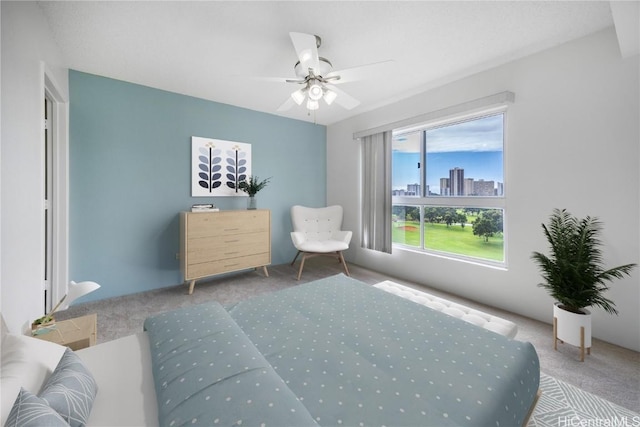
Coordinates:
x,y
192,285
266,272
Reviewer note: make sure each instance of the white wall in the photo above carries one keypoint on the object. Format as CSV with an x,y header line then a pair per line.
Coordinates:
x,y
573,142
27,49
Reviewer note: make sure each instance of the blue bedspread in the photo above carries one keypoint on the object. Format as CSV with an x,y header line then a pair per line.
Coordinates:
x,y
354,355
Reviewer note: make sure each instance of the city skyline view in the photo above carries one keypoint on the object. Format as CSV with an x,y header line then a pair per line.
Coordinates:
x,y
475,146
477,165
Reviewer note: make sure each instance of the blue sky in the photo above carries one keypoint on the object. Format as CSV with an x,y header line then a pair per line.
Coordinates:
x,y
475,146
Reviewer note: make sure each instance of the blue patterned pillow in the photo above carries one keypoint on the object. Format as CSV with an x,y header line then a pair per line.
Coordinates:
x,y
70,390
31,411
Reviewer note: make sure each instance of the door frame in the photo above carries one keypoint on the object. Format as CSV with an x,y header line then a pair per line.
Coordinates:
x,y
59,133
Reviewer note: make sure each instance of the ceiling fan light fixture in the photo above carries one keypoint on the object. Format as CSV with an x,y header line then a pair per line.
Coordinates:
x,y
315,92
329,96
298,96
315,77
312,104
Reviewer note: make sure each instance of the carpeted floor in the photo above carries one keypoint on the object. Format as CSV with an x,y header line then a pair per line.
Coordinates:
x,y
611,372
563,405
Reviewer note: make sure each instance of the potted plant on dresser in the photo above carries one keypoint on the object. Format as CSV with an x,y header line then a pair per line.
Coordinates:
x,y
574,275
251,187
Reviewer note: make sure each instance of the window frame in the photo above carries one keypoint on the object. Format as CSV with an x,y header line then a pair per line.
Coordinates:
x,y
486,202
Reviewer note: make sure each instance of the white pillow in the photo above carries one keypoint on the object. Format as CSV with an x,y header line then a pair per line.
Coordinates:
x,y
25,362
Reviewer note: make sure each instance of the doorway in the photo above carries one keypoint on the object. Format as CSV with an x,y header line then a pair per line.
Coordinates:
x,y
55,155
49,199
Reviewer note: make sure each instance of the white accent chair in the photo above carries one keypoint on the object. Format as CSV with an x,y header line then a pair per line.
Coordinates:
x,y
317,231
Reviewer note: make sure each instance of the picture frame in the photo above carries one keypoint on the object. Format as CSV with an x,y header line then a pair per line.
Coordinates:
x,y
218,167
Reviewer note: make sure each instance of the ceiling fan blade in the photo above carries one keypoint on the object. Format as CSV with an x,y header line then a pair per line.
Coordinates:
x,y
299,81
360,72
271,79
344,99
286,104
268,79
306,49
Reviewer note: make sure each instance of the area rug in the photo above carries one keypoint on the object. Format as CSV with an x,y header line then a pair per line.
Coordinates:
x,y
564,405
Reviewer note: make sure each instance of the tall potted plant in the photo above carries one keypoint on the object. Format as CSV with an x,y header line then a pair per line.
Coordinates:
x,y
251,187
575,276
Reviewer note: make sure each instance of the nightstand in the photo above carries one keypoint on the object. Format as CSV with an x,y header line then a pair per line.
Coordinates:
x,y
75,333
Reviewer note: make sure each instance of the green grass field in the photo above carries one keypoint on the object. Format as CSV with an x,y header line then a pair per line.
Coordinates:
x,y
454,239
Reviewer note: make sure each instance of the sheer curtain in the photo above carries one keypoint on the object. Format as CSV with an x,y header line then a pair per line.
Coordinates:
x,y
376,192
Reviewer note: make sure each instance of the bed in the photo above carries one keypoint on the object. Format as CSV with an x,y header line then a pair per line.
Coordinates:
x,y
331,352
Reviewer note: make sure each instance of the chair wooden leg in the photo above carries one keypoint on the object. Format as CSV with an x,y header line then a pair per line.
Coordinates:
x,y
301,266
346,270
295,258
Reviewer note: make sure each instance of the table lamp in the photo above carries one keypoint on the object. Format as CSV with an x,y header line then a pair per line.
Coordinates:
x,y
75,291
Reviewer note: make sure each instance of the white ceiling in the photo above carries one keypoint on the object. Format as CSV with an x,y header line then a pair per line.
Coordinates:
x,y
211,49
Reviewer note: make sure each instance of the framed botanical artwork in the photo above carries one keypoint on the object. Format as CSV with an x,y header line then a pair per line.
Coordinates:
x,y
218,167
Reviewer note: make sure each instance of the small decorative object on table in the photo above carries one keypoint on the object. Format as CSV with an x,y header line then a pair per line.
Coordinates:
x,y
575,276
76,290
251,187
42,323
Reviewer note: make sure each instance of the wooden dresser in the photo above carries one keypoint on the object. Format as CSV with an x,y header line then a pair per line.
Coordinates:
x,y
220,242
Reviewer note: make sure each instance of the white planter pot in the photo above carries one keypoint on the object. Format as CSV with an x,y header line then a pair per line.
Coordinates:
x,y
572,328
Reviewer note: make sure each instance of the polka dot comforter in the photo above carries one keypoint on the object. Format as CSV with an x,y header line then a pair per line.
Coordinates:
x,y
336,352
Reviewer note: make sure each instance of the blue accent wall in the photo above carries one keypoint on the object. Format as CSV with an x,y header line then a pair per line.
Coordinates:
x,y
130,166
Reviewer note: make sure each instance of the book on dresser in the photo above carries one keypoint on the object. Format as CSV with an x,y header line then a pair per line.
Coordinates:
x,y
204,207
219,242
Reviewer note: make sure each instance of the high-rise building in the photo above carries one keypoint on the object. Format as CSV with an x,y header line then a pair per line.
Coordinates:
x,y
458,185
456,182
469,189
484,188
444,186
413,190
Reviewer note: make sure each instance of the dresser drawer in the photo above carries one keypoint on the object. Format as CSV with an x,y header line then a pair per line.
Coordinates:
x,y
229,246
226,265
212,224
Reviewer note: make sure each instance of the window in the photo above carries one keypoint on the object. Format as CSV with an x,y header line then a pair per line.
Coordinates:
x,y
448,188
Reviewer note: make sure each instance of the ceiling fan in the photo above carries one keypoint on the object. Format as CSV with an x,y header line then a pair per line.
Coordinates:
x,y
316,77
